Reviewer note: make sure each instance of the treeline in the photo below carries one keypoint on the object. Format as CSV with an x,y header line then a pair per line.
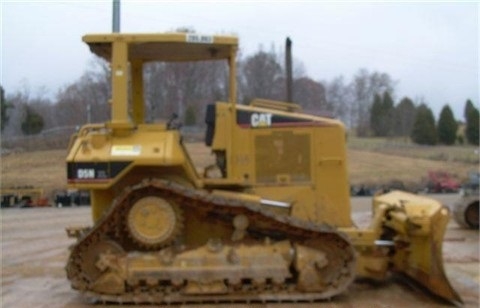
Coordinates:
x,y
418,122
364,102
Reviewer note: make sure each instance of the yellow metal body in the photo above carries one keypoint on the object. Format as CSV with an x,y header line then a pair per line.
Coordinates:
x,y
304,167
269,153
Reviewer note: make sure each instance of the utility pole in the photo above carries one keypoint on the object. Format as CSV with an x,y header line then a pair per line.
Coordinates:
x,y
116,16
288,68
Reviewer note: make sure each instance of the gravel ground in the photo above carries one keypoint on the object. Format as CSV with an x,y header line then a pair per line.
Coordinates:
x,y
34,249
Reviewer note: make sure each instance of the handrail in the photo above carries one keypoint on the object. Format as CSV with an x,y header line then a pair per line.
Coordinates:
x,y
84,131
277,105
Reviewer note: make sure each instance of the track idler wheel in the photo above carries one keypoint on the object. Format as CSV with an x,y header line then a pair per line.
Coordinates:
x,y
323,269
153,222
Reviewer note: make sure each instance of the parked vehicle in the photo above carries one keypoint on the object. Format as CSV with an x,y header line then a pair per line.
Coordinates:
x,y
72,198
466,209
442,182
24,196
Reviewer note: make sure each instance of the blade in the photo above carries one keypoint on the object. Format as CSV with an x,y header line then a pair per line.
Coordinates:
x,y
418,244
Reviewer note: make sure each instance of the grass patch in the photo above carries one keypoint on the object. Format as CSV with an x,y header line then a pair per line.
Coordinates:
x,y
405,148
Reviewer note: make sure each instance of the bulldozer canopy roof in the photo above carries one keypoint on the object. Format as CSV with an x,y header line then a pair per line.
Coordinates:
x,y
164,47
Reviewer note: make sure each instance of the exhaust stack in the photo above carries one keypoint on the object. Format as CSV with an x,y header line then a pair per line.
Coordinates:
x,y
116,16
288,68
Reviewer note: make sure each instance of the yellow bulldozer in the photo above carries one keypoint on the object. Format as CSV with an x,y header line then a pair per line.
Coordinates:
x,y
273,224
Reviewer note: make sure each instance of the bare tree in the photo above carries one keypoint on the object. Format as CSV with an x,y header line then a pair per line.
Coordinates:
x,y
172,87
261,77
87,98
71,107
364,86
16,114
21,101
155,92
339,98
310,94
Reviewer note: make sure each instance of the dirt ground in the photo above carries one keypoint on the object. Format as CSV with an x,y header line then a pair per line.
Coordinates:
x,y
34,249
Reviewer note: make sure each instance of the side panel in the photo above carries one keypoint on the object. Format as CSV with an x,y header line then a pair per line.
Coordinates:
x,y
282,168
330,167
105,164
282,156
288,157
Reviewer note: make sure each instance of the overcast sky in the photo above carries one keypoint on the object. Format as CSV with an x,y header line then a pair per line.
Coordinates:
x,y
431,49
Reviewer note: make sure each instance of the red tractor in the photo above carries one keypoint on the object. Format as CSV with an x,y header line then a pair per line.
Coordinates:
x,y
442,182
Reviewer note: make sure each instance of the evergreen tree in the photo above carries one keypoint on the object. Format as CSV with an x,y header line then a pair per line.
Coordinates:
x,y
4,107
424,131
404,117
447,126
381,115
33,122
388,110
468,107
472,118
376,115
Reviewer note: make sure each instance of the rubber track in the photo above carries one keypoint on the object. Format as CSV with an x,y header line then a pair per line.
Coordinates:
x,y
297,230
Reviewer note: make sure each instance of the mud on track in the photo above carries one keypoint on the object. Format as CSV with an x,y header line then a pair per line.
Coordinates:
x,y
34,249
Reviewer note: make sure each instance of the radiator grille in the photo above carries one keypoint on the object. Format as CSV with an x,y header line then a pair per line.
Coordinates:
x,y
282,157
